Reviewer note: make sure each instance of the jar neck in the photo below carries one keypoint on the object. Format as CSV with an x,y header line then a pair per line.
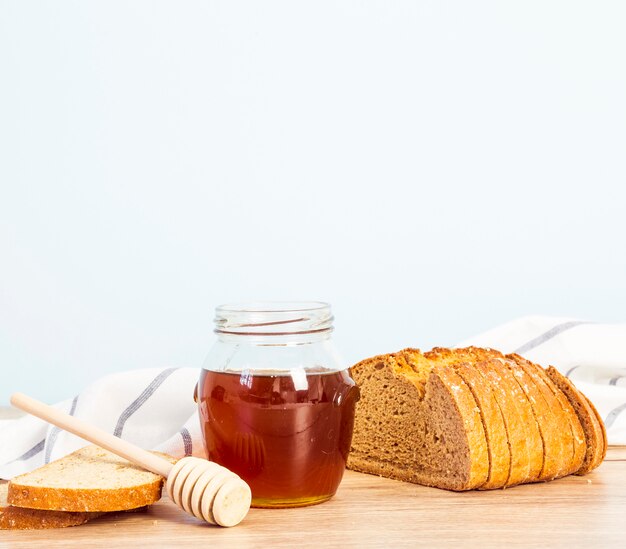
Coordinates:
x,y
274,323
274,340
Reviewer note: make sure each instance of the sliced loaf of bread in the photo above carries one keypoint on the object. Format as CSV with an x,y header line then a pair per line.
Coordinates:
x,y
470,418
88,480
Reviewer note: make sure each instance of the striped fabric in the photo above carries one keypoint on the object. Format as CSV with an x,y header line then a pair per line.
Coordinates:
x,y
152,408
591,354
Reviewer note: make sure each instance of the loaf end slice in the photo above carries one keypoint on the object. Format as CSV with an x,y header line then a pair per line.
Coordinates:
x,y
592,425
88,480
604,440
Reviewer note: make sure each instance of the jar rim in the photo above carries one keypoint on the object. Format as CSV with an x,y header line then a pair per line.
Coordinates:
x,y
274,318
272,307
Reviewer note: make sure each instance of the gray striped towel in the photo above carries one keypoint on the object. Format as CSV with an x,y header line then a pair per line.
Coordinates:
x,y
591,354
153,408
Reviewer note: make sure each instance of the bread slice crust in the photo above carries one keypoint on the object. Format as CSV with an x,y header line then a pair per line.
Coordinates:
x,y
592,425
88,480
19,518
603,441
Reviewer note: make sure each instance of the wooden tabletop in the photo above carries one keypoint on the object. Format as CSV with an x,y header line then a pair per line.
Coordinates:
x,y
368,511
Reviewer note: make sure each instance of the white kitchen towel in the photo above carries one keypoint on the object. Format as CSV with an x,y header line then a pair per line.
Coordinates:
x,y
591,354
154,408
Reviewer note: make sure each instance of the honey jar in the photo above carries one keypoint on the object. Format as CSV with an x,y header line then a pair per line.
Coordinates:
x,y
276,403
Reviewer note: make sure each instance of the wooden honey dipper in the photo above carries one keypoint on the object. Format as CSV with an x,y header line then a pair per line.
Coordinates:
x,y
205,489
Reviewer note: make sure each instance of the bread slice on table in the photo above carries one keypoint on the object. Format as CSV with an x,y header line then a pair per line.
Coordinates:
x,y
88,480
417,425
592,425
462,419
19,518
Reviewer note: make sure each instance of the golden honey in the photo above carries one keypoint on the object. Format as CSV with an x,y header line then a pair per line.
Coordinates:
x,y
287,438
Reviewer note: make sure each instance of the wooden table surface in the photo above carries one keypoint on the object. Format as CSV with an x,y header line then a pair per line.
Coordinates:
x,y
369,511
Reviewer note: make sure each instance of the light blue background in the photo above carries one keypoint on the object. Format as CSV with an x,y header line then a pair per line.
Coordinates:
x,y
432,169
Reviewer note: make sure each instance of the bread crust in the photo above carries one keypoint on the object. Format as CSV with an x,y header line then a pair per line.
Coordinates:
x,y
18,518
592,426
396,472
603,442
84,500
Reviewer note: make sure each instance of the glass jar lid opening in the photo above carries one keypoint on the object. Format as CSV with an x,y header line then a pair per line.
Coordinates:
x,y
274,318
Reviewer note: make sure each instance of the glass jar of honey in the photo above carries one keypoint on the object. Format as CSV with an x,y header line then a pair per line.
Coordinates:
x,y
276,403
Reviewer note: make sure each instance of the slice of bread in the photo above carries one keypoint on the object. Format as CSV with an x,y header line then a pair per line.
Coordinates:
x,y
19,518
88,480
